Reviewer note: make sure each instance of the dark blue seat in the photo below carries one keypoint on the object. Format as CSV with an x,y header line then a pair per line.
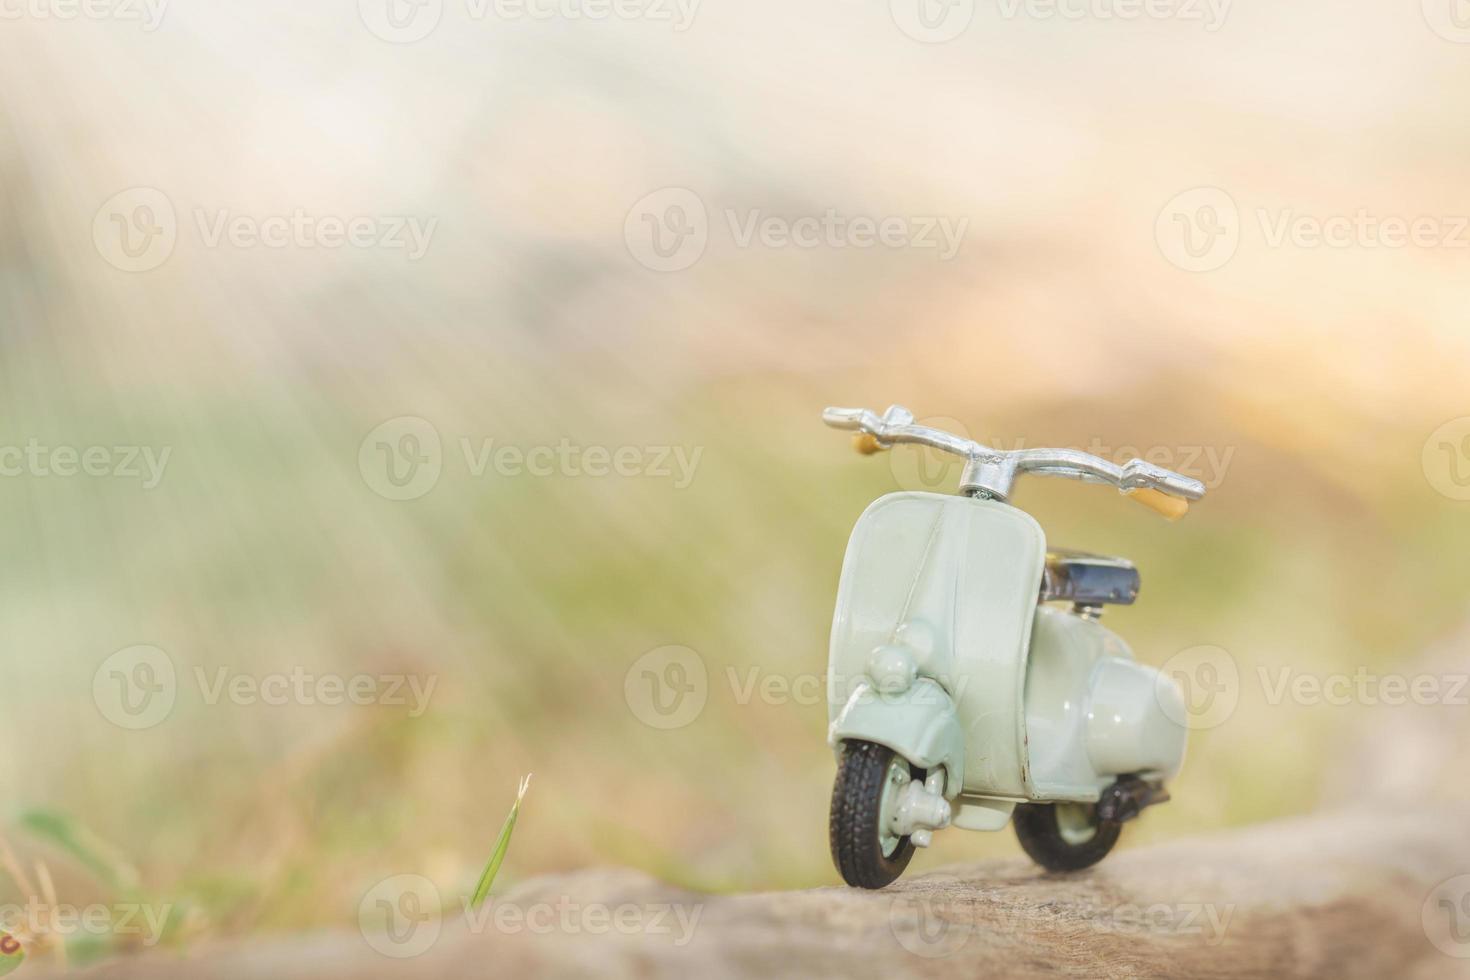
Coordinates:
x,y
1089,580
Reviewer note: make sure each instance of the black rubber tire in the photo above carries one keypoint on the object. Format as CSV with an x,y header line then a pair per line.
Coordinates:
x,y
857,849
1041,838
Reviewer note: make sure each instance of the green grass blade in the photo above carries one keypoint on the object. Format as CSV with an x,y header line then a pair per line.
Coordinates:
x,y
502,844
81,844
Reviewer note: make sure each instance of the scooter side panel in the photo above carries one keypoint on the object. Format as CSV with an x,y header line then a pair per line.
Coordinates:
x,y
996,590
954,581
1066,652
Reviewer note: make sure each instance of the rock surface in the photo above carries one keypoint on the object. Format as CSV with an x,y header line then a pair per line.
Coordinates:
x,y
1343,894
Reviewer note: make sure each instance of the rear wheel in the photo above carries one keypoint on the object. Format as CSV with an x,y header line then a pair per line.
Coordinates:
x,y
1064,836
869,780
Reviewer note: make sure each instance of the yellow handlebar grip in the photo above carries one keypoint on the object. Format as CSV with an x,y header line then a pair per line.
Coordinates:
x,y
1161,503
866,444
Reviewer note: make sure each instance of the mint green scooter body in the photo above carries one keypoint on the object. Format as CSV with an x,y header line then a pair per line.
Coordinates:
x,y
942,652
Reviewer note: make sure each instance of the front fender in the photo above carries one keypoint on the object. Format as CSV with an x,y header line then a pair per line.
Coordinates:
x,y
920,724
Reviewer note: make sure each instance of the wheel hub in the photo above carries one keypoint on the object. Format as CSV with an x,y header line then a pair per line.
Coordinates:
x,y
912,808
1076,822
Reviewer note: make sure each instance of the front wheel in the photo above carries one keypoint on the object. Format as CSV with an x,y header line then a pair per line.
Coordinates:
x,y
870,778
1064,836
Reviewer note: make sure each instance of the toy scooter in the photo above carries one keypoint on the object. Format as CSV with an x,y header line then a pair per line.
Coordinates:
x,y
958,696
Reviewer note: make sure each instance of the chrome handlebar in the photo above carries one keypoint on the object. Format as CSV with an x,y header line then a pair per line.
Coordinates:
x,y
993,472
